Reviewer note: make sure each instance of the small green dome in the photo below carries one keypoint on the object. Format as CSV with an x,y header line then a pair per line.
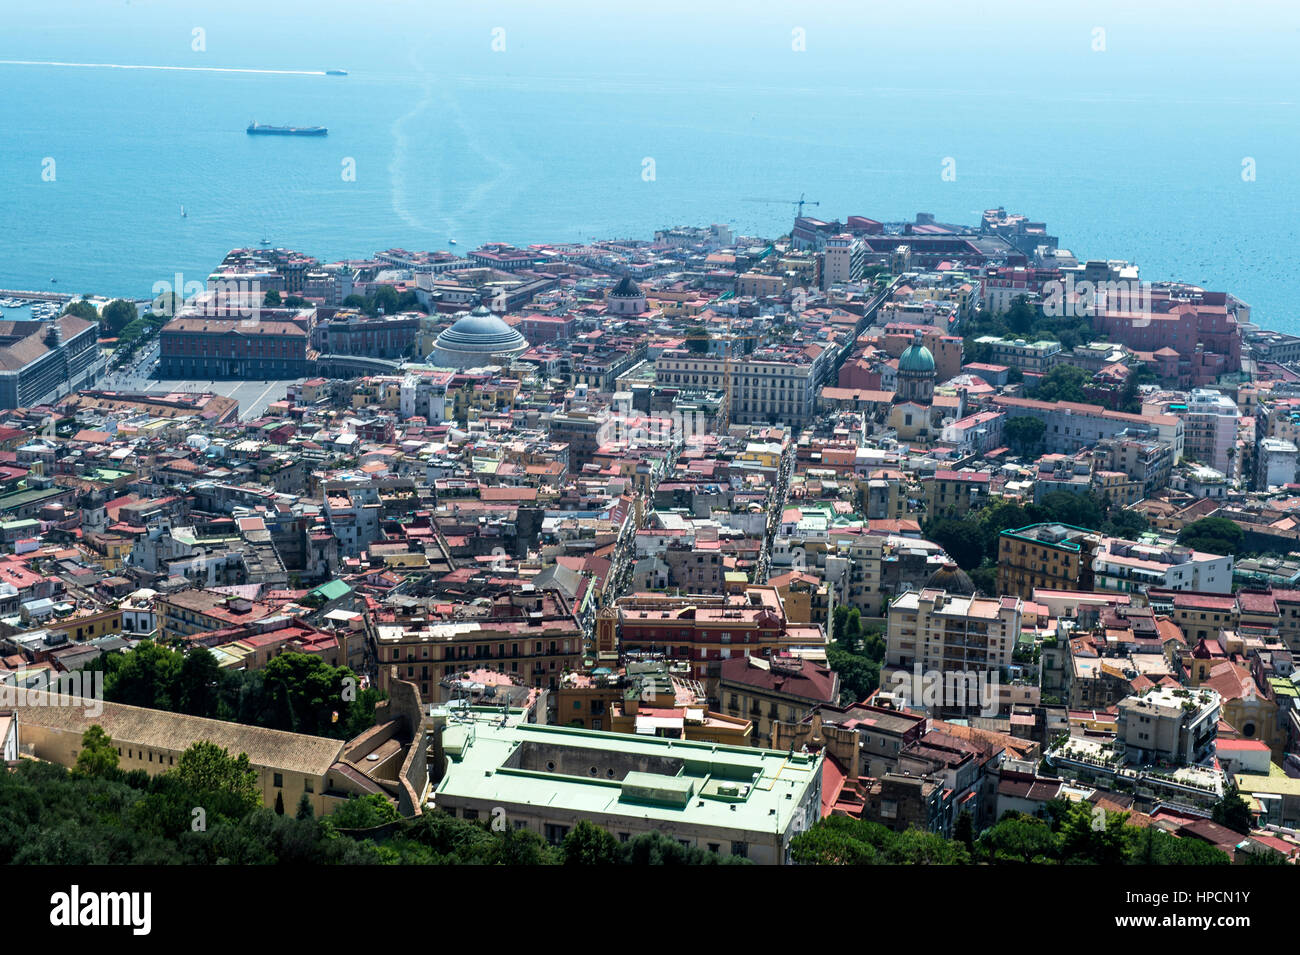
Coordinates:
x,y
916,358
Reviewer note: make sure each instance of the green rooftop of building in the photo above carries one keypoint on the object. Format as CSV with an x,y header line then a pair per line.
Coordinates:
x,y
330,590
1054,534
9,502
1282,686
616,774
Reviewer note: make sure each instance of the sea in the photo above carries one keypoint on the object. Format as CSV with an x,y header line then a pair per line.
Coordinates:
x,y
1165,135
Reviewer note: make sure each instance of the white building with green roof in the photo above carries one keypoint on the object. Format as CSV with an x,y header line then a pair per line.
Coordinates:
x,y
730,800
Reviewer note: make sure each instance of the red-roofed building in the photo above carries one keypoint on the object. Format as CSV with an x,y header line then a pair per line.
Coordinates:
x,y
778,688
954,493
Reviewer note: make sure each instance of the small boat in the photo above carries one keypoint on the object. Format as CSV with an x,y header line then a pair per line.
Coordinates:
x,y
452,241
336,72
266,242
183,213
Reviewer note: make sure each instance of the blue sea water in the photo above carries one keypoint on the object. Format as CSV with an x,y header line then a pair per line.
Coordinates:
x,y
1135,151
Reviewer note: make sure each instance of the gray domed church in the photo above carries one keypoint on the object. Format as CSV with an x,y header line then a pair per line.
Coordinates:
x,y
626,298
480,338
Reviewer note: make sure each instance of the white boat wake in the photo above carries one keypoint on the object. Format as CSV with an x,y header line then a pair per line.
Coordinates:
x,y
178,69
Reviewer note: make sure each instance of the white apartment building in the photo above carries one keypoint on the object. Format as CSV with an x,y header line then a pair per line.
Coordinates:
x,y
845,260
944,632
680,368
1123,566
1168,723
1039,357
1210,428
424,395
1275,463
778,383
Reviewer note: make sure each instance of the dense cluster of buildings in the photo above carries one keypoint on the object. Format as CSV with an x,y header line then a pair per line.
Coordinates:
x,y
603,520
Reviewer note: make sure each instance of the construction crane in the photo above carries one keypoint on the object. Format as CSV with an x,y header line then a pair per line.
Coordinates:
x,y
797,203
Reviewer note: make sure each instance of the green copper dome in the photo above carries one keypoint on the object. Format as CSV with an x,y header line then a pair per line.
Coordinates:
x,y
916,358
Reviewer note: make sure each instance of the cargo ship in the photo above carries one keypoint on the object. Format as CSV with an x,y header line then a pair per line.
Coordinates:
x,y
258,129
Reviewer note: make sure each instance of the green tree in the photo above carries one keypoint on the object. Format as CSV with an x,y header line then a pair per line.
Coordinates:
x,y
1130,399
985,578
363,812
834,840
839,840
82,309
1234,812
1121,522
198,683
655,848
840,619
914,847
588,844
146,676
207,769
1025,434
1018,839
963,830
305,810
271,299
520,847
279,803
848,626
998,515
1152,846
307,695
1081,510
98,755
1021,317
859,674
960,538
1214,535
383,297
117,314
1083,840
1063,383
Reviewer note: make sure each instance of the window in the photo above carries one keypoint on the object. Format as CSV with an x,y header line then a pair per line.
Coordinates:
x,y
555,834
740,849
471,814
279,780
